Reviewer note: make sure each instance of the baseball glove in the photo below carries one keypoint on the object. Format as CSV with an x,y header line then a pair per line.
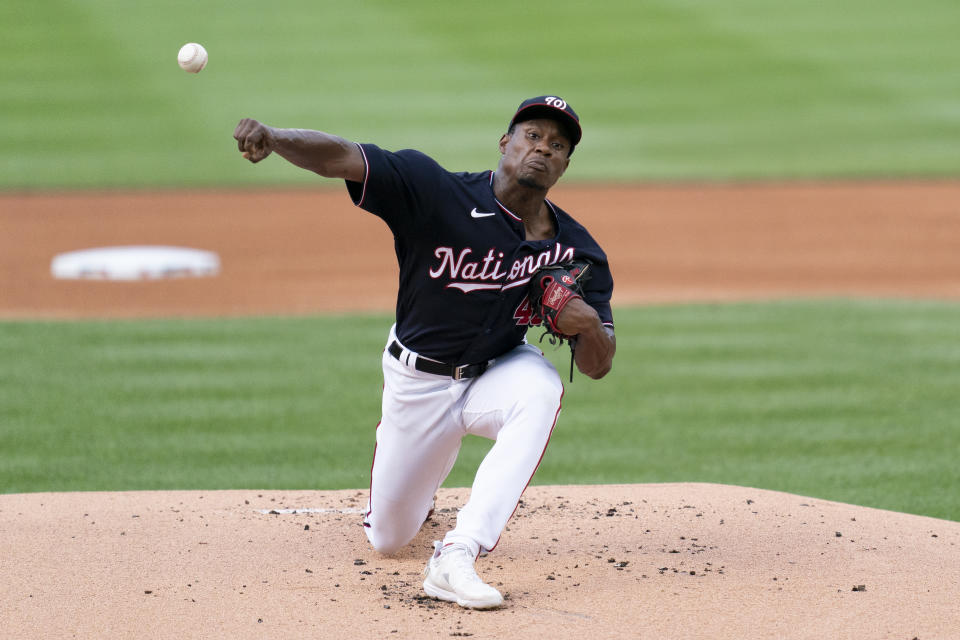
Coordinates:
x,y
551,289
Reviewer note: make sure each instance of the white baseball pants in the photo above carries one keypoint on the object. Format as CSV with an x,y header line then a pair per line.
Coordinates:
x,y
516,403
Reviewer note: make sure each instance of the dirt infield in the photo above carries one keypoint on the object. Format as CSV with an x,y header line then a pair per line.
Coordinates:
x,y
658,561
312,251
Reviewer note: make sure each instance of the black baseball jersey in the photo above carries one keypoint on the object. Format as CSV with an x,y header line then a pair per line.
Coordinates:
x,y
464,260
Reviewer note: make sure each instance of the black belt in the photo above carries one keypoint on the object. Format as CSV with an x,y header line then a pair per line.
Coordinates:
x,y
440,368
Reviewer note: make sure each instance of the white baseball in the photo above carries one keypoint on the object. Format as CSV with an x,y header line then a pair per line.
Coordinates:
x,y
192,57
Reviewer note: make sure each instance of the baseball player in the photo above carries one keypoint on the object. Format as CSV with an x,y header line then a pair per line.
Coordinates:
x,y
456,361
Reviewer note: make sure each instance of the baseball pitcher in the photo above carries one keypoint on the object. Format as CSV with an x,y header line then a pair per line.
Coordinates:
x,y
483,257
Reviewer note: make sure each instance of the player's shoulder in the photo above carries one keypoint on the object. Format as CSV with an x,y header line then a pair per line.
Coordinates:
x,y
570,225
574,234
473,177
414,157
421,160
402,157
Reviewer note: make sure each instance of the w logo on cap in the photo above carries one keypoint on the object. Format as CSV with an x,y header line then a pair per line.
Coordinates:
x,y
556,102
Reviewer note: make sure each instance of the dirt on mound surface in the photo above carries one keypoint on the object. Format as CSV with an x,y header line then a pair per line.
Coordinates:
x,y
628,561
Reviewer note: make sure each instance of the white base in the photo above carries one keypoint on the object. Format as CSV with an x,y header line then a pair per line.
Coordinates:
x,y
135,263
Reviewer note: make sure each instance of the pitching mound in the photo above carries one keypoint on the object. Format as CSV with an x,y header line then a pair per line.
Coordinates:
x,y
664,561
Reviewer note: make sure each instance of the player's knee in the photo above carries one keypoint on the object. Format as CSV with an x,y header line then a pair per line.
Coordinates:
x,y
387,539
384,541
387,546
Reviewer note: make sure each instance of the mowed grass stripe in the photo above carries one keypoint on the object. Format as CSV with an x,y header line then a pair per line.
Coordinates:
x,y
842,400
669,89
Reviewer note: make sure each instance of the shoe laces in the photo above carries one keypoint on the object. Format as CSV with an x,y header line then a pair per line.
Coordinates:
x,y
462,559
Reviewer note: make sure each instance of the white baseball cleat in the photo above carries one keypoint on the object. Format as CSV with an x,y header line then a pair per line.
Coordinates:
x,y
450,576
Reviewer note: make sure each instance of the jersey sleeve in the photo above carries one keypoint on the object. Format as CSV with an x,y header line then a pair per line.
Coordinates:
x,y
393,185
599,290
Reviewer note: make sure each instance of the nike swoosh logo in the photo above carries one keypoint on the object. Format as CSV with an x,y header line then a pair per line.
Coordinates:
x,y
477,214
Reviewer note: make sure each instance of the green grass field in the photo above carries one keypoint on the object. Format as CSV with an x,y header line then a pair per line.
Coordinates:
x,y
667,89
850,401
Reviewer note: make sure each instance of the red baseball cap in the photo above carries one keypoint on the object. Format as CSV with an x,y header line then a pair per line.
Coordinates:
x,y
552,107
